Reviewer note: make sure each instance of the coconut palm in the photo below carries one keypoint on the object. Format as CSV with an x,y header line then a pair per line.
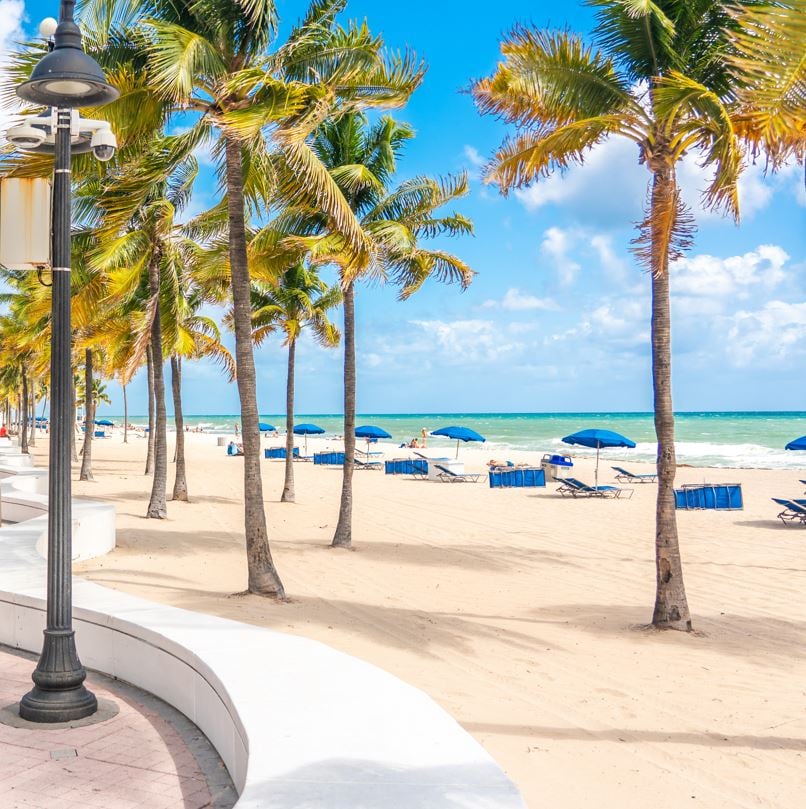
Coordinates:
x,y
769,65
661,78
221,62
362,159
299,299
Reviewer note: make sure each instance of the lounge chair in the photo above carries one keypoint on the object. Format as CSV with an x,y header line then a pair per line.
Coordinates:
x,y
794,511
576,488
449,476
359,464
364,454
625,476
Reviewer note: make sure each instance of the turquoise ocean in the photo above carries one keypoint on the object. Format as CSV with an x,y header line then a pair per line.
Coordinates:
x,y
723,439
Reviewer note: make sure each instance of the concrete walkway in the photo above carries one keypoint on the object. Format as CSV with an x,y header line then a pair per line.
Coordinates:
x,y
148,756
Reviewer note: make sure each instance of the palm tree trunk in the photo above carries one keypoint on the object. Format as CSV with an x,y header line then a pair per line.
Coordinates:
x,y
157,508
671,607
23,413
32,429
343,538
263,577
125,416
180,479
89,419
289,496
151,432
73,448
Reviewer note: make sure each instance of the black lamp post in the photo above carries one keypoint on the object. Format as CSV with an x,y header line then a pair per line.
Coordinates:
x,y
65,78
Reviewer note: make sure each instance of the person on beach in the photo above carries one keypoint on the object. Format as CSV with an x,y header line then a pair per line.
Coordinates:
x,y
3,432
424,438
234,449
237,429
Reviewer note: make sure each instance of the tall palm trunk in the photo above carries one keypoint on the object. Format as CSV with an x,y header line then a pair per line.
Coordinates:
x,y
180,479
289,496
263,577
157,508
151,431
125,416
32,411
343,538
671,607
74,415
89,419
23,413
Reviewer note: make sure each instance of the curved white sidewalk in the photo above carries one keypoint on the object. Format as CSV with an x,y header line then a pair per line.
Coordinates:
x,y
299,725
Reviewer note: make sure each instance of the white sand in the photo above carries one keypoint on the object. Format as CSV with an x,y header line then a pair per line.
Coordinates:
x,y
517,611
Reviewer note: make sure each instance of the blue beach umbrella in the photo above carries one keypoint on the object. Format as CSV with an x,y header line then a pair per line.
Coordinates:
x,y
797,444
104,423
371,433
306,430
459,434
598,439
266,428
368,431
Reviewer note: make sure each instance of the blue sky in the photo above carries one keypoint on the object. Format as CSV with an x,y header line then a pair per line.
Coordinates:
x,y
557,318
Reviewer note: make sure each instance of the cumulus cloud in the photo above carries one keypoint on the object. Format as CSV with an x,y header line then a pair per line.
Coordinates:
x,y
516,301
463,342
556,246
777,331
12,13
706,275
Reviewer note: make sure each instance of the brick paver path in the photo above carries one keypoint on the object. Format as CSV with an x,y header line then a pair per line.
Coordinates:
x,y
147,757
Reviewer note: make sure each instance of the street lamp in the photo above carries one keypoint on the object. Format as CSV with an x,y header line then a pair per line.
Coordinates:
x,y
65,78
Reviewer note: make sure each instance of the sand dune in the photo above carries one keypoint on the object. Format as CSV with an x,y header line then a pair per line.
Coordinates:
x,y
520,613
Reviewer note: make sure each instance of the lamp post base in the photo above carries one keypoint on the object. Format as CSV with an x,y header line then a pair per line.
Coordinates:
x,y
58,694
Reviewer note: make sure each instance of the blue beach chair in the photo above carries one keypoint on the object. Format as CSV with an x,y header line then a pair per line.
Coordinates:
x,y
625,476
449,476
794,511
576,488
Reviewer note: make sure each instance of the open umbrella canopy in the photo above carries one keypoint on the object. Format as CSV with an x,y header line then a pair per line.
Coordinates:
x,y
598,439
459,434
266,428
104,423
368,431
307,429
798,443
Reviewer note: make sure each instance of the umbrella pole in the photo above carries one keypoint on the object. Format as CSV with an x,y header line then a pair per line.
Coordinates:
x,y
596,473
457,448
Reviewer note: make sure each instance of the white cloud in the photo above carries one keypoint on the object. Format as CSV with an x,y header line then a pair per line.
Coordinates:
x,y
611,263
775,332
710,276
475,158
555,246
516,301
462,342
11,16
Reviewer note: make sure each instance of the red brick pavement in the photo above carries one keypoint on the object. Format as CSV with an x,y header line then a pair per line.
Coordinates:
x,y
139,759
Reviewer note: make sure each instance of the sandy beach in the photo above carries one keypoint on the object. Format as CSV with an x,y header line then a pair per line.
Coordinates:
x,y
518,611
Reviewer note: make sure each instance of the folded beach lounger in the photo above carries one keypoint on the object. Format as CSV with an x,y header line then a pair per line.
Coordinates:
x,y
576,488
794,511
517,477
328,458
714,496
448,476
625,476
407,466
278,453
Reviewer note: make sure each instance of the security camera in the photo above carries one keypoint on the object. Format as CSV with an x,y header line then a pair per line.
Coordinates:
x,y
104,144
25,136
47,28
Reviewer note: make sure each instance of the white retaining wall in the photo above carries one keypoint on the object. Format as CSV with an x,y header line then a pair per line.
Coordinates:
x,y
299,725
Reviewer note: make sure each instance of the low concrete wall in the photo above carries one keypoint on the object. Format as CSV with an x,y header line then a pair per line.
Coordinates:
x,y
299,725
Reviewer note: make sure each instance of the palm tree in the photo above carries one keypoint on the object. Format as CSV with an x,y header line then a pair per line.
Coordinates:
x,y
361,159
770,67
300,298
661,79
214,60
